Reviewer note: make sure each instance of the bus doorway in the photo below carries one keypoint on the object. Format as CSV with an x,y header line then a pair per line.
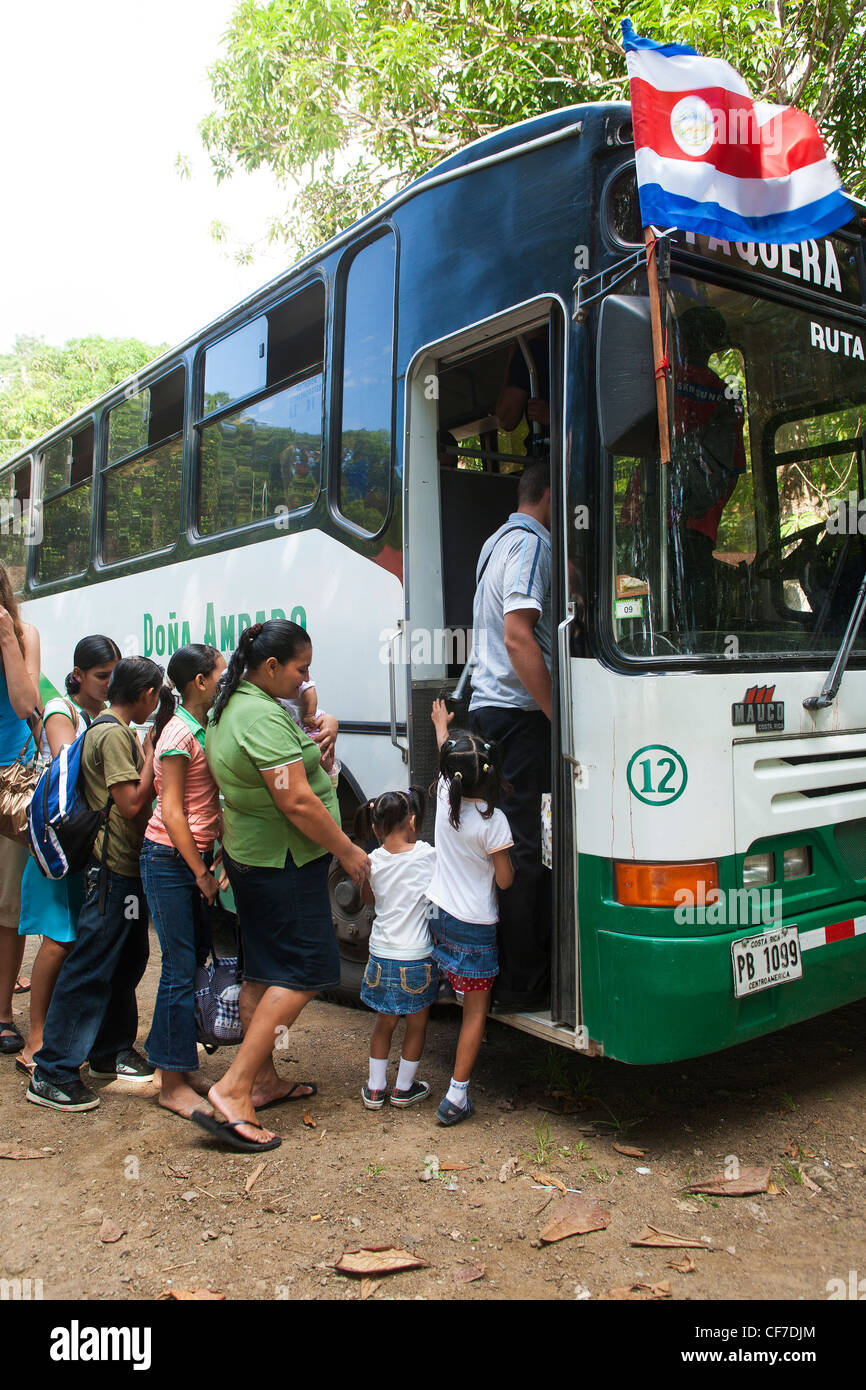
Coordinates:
x,y
462,470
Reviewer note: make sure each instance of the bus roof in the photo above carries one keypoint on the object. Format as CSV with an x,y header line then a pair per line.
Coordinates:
x,y
511,140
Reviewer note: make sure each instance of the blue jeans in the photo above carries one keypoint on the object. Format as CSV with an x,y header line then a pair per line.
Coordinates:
x,y
93,1012
180,916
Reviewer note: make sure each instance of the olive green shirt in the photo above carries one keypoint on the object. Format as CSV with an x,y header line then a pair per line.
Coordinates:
x,y
112,754
255,734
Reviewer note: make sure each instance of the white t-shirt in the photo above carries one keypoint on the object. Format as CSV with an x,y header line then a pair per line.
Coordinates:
x,y
399,883
464,883
59,705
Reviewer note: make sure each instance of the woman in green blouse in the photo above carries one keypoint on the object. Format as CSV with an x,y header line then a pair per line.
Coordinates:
x,y
281,824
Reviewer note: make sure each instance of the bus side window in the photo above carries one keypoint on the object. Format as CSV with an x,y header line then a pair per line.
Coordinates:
x,y
366,434
67,473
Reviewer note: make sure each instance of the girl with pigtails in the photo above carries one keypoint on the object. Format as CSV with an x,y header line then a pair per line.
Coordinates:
x,y
472,843
401,979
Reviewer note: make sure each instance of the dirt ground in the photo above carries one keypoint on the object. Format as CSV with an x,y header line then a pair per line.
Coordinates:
x,y
793,1102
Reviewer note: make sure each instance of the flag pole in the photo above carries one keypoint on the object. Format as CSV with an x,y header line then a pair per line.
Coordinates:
x,y
660,359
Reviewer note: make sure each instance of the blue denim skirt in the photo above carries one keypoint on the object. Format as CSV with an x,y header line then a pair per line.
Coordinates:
x,y
399,986
464,948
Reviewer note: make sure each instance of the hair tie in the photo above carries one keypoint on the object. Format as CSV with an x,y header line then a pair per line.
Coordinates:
x,y
486,767
458,777
486,747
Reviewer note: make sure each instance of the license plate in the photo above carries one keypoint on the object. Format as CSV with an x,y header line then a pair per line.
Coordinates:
x,y
759,962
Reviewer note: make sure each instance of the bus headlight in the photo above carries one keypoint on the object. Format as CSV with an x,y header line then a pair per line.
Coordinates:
x,y
758,869
798,861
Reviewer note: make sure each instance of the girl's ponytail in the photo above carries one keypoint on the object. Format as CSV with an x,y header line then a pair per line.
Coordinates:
x,y
388,811
234,672
471,767
164,712
363,826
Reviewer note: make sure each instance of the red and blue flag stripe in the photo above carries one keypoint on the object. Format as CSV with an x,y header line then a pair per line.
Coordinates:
x,y
710,159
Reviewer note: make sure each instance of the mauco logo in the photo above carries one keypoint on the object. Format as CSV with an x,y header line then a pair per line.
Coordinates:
x,y
77,1343
759,710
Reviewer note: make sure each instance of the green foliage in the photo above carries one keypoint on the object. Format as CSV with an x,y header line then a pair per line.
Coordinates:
x,y
354,99
41,385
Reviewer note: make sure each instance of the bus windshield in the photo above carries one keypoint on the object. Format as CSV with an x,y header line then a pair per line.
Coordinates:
x,y
752,542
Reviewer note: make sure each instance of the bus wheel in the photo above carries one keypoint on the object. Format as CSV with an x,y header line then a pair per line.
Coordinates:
x,y
352,922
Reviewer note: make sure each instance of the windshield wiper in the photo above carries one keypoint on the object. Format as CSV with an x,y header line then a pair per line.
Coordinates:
x,y
831,685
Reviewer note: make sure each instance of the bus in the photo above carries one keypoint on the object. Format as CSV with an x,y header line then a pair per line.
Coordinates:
x,y
329,451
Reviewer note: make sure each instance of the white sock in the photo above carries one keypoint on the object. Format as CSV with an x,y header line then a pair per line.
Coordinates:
x,y
378,1074
457,1093
406,1074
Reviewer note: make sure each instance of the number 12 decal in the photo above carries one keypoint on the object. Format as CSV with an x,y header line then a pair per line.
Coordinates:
x,y
657,775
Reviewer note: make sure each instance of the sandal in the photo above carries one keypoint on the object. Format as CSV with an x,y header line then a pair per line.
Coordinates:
x,y
28,1068
13,1043
21,988
226,1131
290,1095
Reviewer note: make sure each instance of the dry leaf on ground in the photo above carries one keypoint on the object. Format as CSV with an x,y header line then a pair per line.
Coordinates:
x,y
630,1151
650,1235
369,1287
18,1151
509,1169
548,1180
776,1189
684,1266
574,1216
378,1259
749,1180
308,1120
455,1167
253,1178
807,1182
467,1274
642,1291
109,1231
188,1295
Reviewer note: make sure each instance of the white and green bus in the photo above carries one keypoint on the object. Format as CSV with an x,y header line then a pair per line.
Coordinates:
x,y
329,451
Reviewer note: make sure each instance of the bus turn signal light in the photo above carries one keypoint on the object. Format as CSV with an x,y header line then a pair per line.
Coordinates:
x,y
654,885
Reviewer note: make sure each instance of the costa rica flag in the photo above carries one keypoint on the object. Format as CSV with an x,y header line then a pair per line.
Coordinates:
x,y
710,159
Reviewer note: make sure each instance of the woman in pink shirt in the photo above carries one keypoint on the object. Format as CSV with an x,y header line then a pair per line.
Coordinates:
x,y
176,868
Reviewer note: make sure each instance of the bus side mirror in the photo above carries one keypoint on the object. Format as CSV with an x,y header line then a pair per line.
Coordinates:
x,y
627,413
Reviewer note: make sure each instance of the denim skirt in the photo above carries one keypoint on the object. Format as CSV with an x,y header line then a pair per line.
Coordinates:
x,y
467,949
399,986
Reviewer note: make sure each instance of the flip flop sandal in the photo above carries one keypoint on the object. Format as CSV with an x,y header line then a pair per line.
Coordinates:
x,y
19,988
226,1132
282,1100
28,1068
10,1044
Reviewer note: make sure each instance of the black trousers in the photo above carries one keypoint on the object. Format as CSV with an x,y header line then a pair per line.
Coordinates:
x,y
523,737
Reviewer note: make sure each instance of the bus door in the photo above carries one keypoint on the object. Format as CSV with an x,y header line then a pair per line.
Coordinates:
x,y
462,468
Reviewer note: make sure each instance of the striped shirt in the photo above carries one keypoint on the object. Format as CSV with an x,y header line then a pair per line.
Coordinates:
x,y
515,576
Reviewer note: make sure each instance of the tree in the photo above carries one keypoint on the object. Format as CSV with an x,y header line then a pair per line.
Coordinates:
x,y
354,99
41,386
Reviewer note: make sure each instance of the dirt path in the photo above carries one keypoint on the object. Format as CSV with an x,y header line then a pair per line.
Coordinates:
x,y
794,1102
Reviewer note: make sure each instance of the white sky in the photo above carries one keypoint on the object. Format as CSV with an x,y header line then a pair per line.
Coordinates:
x,y
99,234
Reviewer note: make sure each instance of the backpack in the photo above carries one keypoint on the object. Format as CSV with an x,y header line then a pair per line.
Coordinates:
x,y
61,827
217,1010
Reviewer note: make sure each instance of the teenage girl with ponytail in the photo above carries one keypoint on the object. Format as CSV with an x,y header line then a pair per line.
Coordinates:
x,y
177,867
281,824
50,907
472,843
400,978
93,1015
